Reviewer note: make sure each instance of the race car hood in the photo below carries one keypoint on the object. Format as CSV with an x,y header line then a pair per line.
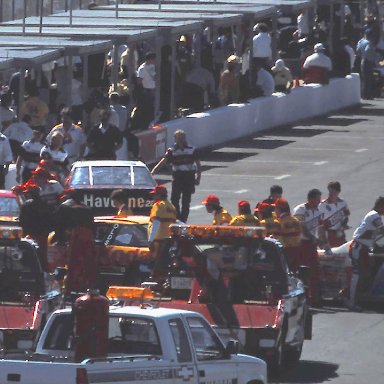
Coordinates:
x,y
16,316
237,315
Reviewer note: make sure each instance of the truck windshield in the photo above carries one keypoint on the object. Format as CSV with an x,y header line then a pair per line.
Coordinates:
x,y
18,273
127,335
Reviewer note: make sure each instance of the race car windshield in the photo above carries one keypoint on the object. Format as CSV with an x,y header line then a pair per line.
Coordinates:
x,y
8,206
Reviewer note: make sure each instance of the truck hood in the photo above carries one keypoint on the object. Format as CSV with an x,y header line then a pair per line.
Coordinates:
x,y
237,315
16,316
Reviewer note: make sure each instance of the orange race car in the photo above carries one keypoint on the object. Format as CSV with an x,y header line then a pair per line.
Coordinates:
x,y
122,252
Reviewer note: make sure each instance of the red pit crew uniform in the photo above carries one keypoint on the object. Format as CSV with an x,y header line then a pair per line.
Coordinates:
x,y
335,217
311,219
363,239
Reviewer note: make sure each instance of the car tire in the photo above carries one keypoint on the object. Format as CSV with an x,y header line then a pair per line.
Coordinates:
x,y
292,355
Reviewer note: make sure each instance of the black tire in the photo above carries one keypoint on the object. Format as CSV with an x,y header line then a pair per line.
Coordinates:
x,y
292,355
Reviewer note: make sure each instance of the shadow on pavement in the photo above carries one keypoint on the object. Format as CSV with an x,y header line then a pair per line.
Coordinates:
x,y
309,372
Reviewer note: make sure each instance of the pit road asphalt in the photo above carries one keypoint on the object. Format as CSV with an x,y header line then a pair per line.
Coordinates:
x,y
347,347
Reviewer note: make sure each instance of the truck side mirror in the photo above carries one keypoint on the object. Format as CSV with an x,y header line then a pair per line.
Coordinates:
x,y
232,347
304,274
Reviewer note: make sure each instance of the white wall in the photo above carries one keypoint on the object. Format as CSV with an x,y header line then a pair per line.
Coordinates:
x,y
223,124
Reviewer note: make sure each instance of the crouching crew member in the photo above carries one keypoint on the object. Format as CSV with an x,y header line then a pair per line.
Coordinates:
x,y
220,215
162,214
290,233
245,216
265,213
363,239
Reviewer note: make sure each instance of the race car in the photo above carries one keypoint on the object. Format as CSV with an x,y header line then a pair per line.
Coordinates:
x,y
9,208
97,179
27,295
240,281
122,251
336,271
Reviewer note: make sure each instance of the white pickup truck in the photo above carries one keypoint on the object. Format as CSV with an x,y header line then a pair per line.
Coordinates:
x,y
145,345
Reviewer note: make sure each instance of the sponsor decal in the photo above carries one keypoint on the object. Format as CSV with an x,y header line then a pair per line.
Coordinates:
x,y
106,202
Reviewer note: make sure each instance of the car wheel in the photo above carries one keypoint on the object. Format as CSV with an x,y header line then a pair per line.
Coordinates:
x,y
276,362
292,355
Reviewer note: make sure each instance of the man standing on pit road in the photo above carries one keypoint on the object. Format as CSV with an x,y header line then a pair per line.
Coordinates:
x,y
162,214
312,236
335,215
186,173
290,233
220,215
362,241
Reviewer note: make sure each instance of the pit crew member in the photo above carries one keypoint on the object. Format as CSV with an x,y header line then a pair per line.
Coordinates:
x,y
290,233
245,217
119,199
220,215
162,214
312,235
363,239
264,211
335,215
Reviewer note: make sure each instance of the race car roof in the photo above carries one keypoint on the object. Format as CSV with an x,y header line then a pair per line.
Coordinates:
x,y
108,163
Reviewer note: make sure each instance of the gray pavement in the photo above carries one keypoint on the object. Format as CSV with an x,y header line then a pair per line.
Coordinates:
x,y
346,146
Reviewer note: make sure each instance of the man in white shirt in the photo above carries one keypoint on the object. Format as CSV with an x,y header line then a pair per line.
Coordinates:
x,y
5,158
17,133
121,111
262,51
363,240
265,83
74,137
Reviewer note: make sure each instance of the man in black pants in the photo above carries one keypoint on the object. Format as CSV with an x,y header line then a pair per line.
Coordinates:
x,y
186,173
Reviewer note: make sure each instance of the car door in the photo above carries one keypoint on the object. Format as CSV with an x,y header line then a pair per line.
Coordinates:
x,y
213,364
185,370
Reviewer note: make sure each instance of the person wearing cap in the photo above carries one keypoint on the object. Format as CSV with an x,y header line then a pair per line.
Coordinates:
x,y
363,240
283,77
289,234
262,51
186,173
244,216
162,214
74,138
29,156
5,158
229,88
183,58
264,212
317,67
335,215
119,198
36,220
311,219
220,215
